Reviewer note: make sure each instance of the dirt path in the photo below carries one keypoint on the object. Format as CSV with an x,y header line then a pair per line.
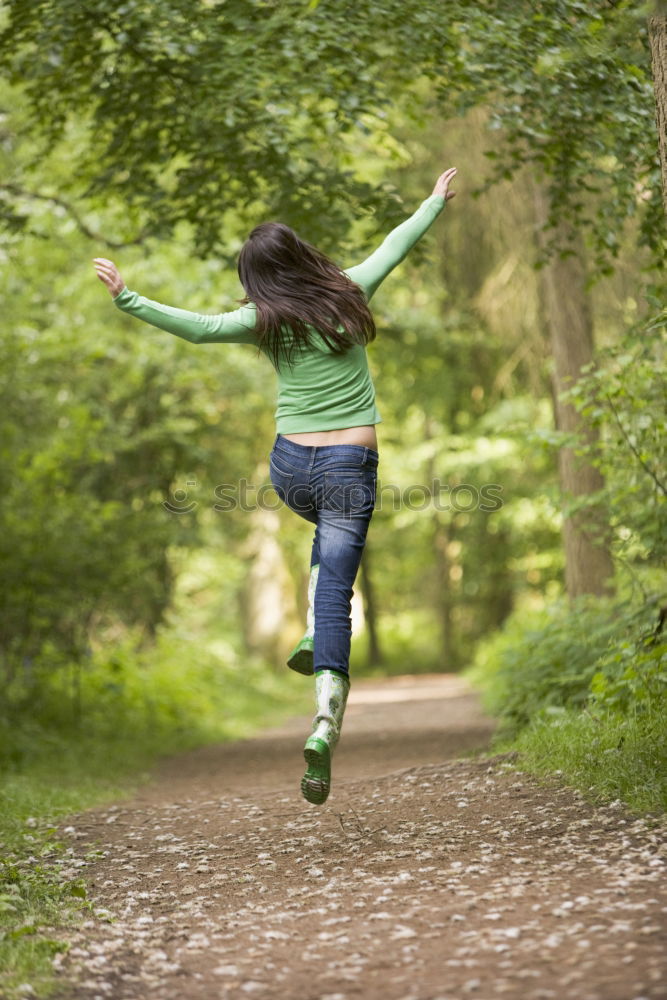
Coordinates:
x,y
422,878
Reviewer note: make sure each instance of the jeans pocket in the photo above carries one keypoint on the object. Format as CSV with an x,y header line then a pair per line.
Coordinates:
x,y
280,465
349,492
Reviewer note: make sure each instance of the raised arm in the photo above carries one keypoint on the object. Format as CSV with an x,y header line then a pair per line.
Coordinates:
x,y
370,274
233,327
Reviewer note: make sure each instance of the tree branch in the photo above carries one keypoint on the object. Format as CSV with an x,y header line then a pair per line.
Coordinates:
x,y
81,225
647,468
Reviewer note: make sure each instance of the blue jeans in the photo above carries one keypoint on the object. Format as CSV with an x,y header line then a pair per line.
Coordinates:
x,y
333,487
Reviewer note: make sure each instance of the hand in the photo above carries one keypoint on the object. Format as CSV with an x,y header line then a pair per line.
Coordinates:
x,y
107,272
443,182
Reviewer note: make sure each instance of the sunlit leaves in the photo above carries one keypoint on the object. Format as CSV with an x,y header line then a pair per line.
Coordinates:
x,y
198,109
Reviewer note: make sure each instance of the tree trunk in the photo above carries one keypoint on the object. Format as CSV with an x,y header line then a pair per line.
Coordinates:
x,y
658,38
567,318
268,603
499,603
375,656
444,597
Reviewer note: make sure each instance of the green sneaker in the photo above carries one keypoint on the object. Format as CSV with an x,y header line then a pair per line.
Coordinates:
x,y
331,691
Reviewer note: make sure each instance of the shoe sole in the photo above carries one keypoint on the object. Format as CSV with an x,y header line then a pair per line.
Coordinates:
x,y
301,660
316,782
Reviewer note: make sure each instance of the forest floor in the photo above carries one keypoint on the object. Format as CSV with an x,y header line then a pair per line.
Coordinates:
x,y
424,876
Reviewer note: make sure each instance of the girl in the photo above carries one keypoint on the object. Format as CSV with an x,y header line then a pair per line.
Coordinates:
x,y
312,320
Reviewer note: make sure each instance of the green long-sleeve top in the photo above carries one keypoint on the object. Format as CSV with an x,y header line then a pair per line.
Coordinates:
x,y
321,390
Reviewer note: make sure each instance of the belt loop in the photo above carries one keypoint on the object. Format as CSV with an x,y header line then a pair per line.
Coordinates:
x,y
365,456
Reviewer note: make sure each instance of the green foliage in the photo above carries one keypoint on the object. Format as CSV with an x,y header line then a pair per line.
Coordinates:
x,y
624,396
88,445
199,110
558,657
196,110
544,660
466,564
409,642
631,676
583,688
570,92
101,422
130,700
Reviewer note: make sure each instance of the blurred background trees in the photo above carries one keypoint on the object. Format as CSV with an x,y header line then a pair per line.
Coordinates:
x,y
519,365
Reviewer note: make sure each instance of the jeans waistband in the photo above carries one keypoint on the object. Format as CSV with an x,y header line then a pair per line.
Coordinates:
x,y
308,453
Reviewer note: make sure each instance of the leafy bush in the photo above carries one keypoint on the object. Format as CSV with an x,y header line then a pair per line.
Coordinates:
x,y
623,395
631,676
582,691
130,702
592,652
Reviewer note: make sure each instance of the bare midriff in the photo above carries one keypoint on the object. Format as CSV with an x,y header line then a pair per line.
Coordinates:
x,y
364,436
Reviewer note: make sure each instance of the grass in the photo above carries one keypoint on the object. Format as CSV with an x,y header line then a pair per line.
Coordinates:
x,y
52,768
35,901
606,755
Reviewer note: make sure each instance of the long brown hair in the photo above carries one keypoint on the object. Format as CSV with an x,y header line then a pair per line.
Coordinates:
x,y
298,289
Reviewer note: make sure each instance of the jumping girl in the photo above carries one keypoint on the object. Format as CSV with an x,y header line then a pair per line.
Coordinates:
x,y
312,320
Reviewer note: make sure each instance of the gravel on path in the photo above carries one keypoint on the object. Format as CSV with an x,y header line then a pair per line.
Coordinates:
x,y
422,878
